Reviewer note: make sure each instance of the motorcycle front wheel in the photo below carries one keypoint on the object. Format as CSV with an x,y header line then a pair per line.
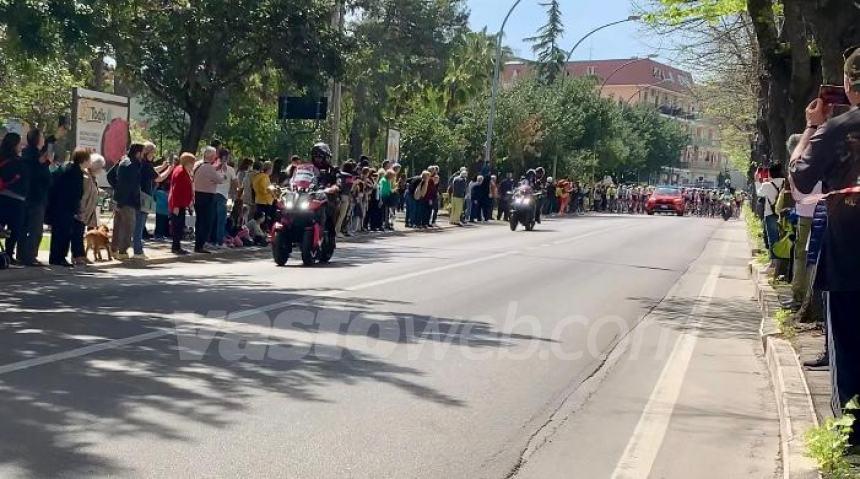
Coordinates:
x,y
309,254
328,247
514,221
281,248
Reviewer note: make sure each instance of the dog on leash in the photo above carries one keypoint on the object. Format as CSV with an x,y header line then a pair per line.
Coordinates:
x,y
97,240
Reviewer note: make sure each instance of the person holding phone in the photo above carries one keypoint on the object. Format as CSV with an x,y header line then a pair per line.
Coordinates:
x,y
828,153
37,158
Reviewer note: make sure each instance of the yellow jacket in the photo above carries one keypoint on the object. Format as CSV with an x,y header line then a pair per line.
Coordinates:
x,y
262,194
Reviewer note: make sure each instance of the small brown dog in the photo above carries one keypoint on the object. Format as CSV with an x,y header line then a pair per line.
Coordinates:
x,y
98,239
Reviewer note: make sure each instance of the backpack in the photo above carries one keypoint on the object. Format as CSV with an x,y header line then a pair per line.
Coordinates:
x,y
782,248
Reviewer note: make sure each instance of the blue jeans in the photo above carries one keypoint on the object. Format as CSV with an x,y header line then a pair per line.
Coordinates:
x,y
137,233
220,223
411,211
771,230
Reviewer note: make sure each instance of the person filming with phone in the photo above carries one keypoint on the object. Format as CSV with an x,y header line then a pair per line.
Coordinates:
x,y
829,152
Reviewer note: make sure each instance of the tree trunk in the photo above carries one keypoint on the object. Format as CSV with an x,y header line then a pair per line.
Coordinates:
x,y
834,24
97,82
355,138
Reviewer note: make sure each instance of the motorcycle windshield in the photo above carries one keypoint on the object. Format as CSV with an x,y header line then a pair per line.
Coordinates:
x,y
304,177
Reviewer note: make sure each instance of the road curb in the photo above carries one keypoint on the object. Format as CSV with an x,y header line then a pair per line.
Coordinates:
x,y
29,274
794,401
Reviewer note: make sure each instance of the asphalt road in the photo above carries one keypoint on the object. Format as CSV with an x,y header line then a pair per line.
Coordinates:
x,y
464,353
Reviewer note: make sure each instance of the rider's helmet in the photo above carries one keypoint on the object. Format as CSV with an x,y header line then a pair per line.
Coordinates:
x,y
530,175
539,172
321,156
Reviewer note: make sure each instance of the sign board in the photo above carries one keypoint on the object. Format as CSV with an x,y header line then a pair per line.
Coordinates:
x,y
302,108
100,121
392,152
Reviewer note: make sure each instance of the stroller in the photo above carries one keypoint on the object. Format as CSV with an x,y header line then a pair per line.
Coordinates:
x,y
5,260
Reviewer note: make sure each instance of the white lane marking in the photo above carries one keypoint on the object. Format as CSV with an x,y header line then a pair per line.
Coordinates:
x,y
647,438
117,343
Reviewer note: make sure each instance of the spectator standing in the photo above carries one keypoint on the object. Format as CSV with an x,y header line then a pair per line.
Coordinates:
x,y
805,211
412,216
241,202
505,189
88,213
457,189
179,199
223,191
432,196
67,193
476,195
147,202
422,206
386,197
125,178
827,153
13,189
346,180
376,205
206,181
37,161
770,191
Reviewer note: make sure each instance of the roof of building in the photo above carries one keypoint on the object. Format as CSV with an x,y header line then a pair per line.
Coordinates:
x,y
630,71
635,71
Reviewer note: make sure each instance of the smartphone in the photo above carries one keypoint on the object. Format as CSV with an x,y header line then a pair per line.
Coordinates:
x,y
833,95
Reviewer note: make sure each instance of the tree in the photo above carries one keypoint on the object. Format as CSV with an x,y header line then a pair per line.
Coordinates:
x,y
798,44
188,56
401,46
428,138
37,91
550,56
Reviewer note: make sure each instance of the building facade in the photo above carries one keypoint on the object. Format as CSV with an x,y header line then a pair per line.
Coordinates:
x,y
637,81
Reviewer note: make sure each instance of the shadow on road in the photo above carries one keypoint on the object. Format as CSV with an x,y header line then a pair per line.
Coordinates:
x,y
51,412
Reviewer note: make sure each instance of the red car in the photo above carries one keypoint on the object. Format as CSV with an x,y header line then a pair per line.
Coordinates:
x,y
665,200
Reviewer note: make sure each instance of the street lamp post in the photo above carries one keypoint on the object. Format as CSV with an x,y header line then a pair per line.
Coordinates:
x,y
491,119
631,18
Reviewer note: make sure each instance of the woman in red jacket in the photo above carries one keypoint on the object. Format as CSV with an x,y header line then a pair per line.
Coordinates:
x,y
180,198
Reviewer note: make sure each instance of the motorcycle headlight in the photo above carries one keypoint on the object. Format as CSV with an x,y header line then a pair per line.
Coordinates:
x,y
304,204
518,201
526,201
290,204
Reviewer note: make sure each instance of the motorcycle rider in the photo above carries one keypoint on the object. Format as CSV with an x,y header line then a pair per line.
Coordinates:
x,y
327,180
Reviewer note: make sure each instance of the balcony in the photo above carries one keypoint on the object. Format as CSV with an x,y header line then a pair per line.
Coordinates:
x,y
678,112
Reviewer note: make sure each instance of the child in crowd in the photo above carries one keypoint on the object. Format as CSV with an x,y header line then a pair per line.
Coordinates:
x,y
257,235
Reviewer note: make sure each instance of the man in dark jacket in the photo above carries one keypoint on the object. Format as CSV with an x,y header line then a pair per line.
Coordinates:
x,y
827,152
505,189
125,178
37,162
64,204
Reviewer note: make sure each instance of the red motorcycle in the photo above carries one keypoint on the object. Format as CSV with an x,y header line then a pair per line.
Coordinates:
x,y
304,222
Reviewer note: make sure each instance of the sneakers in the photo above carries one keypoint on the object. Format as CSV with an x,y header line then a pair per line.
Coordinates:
x,y
141,257
121,256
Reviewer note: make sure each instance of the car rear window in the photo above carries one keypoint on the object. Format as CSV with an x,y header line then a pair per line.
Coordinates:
x,y
668,192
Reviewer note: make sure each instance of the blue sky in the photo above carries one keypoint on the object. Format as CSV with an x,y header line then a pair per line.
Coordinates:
x,y
580,16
